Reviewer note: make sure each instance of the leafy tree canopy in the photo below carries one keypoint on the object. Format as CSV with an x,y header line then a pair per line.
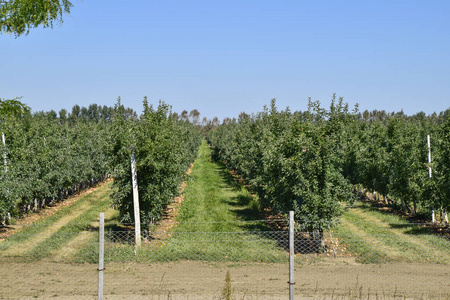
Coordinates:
x,y
12,108
19,16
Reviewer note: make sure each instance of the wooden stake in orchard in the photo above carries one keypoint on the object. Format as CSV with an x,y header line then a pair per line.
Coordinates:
x,y
137,217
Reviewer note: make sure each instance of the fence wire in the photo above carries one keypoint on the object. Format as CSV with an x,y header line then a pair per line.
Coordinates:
x,y
335,264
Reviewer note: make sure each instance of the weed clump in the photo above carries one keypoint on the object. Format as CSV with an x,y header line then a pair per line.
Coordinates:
x,y
227,291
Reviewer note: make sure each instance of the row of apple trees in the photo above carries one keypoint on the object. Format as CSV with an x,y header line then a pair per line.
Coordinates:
x,y
387,154
313,162
47,157
289,160
164,146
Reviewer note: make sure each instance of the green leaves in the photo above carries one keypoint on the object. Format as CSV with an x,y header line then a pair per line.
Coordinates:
x,y
19,16
47,158
309,162
12,108
441,167
387,153
291,160
164,149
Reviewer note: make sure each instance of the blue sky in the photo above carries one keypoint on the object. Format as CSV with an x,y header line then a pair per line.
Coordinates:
x,y
225,57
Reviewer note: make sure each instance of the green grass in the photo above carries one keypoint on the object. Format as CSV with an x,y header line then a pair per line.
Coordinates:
x,y
217,221
73,228
213,219
98,201
37,227
375,237
212,202
365,251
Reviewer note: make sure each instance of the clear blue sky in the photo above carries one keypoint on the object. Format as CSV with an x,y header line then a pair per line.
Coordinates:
x,y
225,57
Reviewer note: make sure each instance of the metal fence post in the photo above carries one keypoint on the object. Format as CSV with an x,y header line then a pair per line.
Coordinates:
x,y
291,255
101,254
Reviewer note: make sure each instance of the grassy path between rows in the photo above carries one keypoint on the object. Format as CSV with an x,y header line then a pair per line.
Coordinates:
x,y
213,202
217,221
61,234
377,237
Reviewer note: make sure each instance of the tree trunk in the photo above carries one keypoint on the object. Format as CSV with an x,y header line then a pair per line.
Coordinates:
x,y
319,241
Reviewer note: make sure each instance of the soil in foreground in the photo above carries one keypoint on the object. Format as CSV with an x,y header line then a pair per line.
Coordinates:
x,y
198,280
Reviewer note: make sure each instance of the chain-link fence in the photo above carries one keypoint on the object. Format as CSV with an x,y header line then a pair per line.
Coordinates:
x,y
345,263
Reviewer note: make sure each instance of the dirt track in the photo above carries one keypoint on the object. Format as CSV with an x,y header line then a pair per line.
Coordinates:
x,y
196,280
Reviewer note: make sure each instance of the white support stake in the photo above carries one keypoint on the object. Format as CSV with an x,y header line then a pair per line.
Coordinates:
x,y
101,254
429,155
4,152
137,217
433,214
291,255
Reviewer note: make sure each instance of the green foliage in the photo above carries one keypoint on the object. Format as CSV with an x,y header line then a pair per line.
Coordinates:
x,y
407,155
387,154
164,149
291,160
48,159
441,174
309,162
12,108
19,16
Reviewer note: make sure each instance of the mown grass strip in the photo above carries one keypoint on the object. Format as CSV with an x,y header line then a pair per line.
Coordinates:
x,y
212,202
99,202
412,231
382,239
421,245
392,238
210,227
70,250
357,243
38,228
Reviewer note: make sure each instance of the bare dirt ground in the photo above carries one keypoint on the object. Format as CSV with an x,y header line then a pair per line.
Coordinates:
x,y
198,280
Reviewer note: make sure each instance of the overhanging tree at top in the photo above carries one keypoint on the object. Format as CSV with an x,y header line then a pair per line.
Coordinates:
x,y
19,16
